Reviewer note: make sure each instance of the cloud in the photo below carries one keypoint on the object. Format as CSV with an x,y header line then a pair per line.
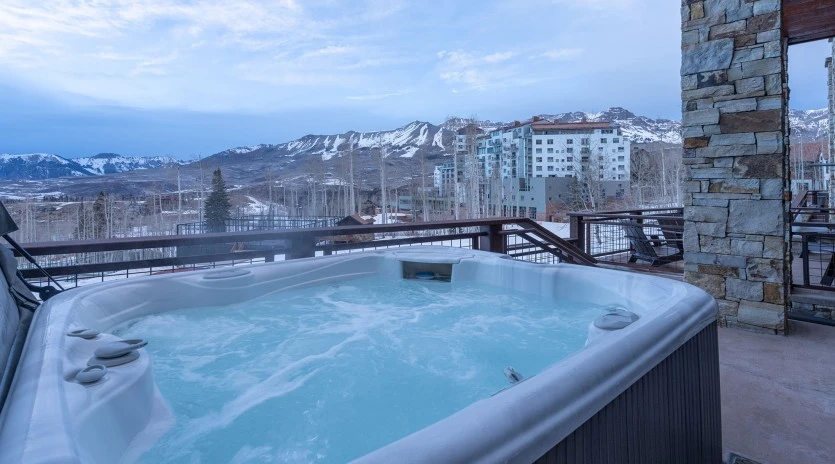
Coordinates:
x,y
330,50
598,5
563,53
480,71
379,96
498,57
154,66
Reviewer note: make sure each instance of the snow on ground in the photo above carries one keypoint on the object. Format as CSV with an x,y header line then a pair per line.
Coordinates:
x,y
255,206
561,229
391,218
409,152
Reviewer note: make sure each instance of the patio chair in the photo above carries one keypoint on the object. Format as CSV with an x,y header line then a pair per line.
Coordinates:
x,y
673,231
645,250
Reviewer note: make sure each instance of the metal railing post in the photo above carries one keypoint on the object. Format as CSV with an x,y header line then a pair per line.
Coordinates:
x,y
301,247
493,241
805,254
577,231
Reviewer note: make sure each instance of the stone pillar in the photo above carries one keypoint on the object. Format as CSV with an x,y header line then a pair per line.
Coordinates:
x,y
735,113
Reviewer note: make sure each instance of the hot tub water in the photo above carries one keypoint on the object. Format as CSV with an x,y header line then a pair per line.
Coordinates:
x,y
330,373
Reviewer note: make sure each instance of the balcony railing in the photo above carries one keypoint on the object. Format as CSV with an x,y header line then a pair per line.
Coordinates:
x,y
813,241
89,260
645,238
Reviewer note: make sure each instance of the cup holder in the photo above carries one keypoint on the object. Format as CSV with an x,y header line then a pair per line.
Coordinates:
x,y
91,374
87,334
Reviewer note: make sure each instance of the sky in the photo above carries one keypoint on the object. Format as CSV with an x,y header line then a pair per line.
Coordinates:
x,y
187,78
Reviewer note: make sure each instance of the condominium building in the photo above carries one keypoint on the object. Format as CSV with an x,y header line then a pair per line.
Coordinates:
x,y
582,150
445,177
588,158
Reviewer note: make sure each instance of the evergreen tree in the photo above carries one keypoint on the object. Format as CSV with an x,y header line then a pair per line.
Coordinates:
x,y
217,208
100,217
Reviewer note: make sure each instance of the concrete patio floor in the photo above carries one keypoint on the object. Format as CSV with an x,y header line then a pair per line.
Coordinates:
x,y
778,394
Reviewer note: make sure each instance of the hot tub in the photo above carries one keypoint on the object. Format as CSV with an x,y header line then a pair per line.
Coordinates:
x,y
641,383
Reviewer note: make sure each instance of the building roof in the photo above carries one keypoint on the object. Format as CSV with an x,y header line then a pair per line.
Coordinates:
x,y
354,220
575,125
470,129
515,124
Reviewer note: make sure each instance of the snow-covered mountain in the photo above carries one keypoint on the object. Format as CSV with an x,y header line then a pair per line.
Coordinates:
x,y
809,124
638,129
36,166
405,148
404,142
110,163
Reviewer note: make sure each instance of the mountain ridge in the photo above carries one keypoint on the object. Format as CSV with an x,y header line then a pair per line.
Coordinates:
x,y
426,141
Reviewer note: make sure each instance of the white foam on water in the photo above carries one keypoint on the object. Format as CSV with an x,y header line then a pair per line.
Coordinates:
x,y
327,374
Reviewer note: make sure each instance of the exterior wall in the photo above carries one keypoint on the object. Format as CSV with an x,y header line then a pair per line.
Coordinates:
x,y
536,198
672,414
734,103
560,153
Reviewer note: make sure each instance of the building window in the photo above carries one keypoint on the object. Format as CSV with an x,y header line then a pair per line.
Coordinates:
x,y
539,168
620,149
550,159
603,140
620,158
599,158
615,140
539,150
599,148
606,131
569,142
621,168
538,159
550,168
569,150
539,141
550,150
584,141
550,141
570,167
569,159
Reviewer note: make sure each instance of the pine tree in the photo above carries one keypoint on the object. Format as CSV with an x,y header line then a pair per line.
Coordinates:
x,y
217,208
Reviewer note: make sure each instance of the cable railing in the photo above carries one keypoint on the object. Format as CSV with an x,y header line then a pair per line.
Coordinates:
x,y
650,238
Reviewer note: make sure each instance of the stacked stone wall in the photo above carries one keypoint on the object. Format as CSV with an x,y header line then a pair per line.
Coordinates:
x,y
734,118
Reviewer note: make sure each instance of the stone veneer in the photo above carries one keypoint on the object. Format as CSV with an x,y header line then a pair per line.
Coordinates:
x,y
735,110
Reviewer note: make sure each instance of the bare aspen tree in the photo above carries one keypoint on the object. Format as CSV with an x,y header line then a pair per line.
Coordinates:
x,y
426,214
384,199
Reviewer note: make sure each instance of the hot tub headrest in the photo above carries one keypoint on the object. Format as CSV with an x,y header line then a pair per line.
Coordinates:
x,y
16,304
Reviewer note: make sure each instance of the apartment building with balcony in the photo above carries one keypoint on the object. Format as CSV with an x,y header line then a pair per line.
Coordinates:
x,y
580,150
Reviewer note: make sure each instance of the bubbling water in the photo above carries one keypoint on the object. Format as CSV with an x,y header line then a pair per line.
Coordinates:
x,y
330,373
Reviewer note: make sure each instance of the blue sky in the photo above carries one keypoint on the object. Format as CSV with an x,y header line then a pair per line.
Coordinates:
x,y
147,77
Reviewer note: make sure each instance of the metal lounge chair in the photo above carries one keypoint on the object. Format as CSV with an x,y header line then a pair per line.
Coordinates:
x,y
644,250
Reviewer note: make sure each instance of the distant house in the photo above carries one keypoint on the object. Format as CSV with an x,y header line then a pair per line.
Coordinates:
x,y
355,220
352,220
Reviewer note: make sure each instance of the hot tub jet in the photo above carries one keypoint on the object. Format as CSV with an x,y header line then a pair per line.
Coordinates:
x,y
512,376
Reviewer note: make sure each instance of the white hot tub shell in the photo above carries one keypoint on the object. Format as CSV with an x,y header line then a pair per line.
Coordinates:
x,y
49,417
